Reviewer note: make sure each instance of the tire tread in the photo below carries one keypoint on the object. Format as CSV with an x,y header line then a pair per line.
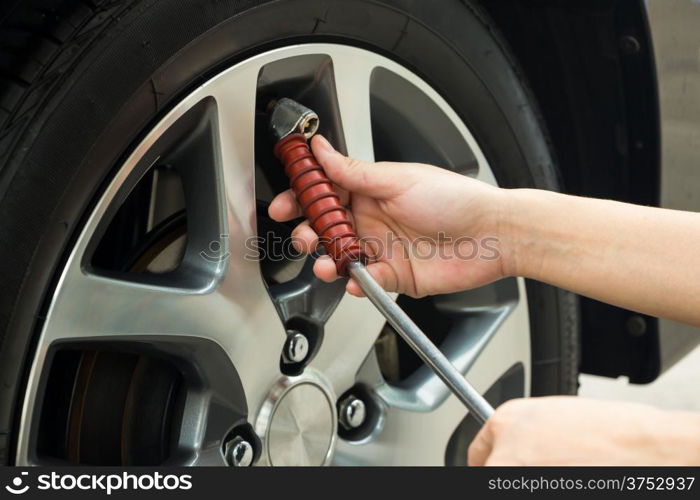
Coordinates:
x,y
41,39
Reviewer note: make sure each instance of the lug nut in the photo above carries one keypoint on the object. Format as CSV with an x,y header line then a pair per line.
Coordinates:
x,y
353,413
296,349
239,452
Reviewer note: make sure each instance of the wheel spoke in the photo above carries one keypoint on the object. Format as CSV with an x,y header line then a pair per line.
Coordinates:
x,y
95,306
426,411
349,337
465,345
352,82
243,287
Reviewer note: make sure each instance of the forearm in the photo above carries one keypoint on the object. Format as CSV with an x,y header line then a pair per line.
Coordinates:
x,y
640,258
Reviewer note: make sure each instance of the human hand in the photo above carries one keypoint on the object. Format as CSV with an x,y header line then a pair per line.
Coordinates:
x,y
428,230
567,430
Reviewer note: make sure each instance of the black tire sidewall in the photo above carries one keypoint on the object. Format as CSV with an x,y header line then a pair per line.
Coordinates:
x,y
157,51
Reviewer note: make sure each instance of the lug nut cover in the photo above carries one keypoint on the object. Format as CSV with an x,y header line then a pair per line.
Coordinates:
x,y
352,413
239,452
297,348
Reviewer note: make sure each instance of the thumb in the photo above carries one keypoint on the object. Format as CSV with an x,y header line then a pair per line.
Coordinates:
x,y
377,180
480,448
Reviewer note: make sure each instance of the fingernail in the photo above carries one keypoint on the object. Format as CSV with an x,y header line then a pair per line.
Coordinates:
x,y
324,145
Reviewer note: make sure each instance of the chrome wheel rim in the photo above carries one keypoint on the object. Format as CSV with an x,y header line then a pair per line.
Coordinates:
x,y
225,302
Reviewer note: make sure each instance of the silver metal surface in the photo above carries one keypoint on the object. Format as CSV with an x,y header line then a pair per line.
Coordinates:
x,y
290,117
233,309
297,422
239,452
297,348
352,412
421,344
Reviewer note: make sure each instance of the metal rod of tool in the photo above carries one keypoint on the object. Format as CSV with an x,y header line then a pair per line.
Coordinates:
x,y
292,125
421,344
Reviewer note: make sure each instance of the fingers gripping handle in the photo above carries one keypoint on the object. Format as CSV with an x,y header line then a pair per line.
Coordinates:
x,y
319,202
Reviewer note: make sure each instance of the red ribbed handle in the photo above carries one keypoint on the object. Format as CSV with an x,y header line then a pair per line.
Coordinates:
x,y
319,202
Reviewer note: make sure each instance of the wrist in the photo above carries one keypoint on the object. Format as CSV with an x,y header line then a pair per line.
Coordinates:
x,y
515,229
488,216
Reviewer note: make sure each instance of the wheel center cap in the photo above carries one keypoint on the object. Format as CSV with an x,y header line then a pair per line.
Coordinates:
x,y
300,424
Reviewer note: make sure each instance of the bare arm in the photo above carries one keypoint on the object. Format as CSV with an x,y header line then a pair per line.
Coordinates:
x,y
641,258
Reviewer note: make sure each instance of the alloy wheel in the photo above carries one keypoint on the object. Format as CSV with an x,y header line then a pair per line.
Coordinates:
x,y
219,316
